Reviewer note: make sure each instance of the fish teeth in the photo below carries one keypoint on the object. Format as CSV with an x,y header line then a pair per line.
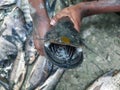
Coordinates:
x,y
79,49
47,44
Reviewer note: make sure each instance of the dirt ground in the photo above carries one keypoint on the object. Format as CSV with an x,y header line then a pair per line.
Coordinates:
x,y
101,34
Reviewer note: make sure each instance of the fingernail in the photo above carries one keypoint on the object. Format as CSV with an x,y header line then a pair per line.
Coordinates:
x,y
52,22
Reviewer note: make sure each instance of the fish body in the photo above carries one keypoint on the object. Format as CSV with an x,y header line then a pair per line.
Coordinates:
x,y
109,81
40,72
19,68
30,52
52,81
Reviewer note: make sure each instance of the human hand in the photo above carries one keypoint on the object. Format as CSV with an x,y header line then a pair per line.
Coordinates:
x,y
72,12
38,35
41,23
39,45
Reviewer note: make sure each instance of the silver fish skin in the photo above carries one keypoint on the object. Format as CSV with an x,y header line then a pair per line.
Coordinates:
x,y
30,51
18,38
19,68
25,7
13,28
8,51
109,81
14,31
7,2
52,81
13,35
40,72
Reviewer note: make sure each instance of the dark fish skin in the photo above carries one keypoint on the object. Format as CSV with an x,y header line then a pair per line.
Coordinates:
x,y
50,7
13,34
64,4
8,53
20,68
4,82
15,38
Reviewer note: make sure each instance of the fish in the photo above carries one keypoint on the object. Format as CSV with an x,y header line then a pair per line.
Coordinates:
x,y
50,7
15,37
7,2
25,8
14,32
19,36
64,49
109,81
52,81
40,72
18,72
31,53
8,51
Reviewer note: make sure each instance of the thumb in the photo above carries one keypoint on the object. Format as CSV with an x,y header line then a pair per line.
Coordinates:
x,y
56,18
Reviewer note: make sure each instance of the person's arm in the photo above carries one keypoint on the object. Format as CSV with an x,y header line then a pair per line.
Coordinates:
x,y
83,9
98,7
41,15
42,25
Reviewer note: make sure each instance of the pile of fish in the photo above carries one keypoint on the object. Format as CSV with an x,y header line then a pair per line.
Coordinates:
x,y
17,51
13,34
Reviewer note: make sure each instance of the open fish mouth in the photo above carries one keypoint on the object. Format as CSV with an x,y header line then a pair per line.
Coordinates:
x,y
65,56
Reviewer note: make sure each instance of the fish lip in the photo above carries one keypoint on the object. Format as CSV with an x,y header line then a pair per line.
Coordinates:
x,y
70,63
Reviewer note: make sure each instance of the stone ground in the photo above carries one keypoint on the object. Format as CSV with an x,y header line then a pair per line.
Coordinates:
x,y
101,34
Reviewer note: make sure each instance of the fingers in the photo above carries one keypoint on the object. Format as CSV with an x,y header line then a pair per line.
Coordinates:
x,y
69,13
65,12
77,23
56,18
77,28
52,22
